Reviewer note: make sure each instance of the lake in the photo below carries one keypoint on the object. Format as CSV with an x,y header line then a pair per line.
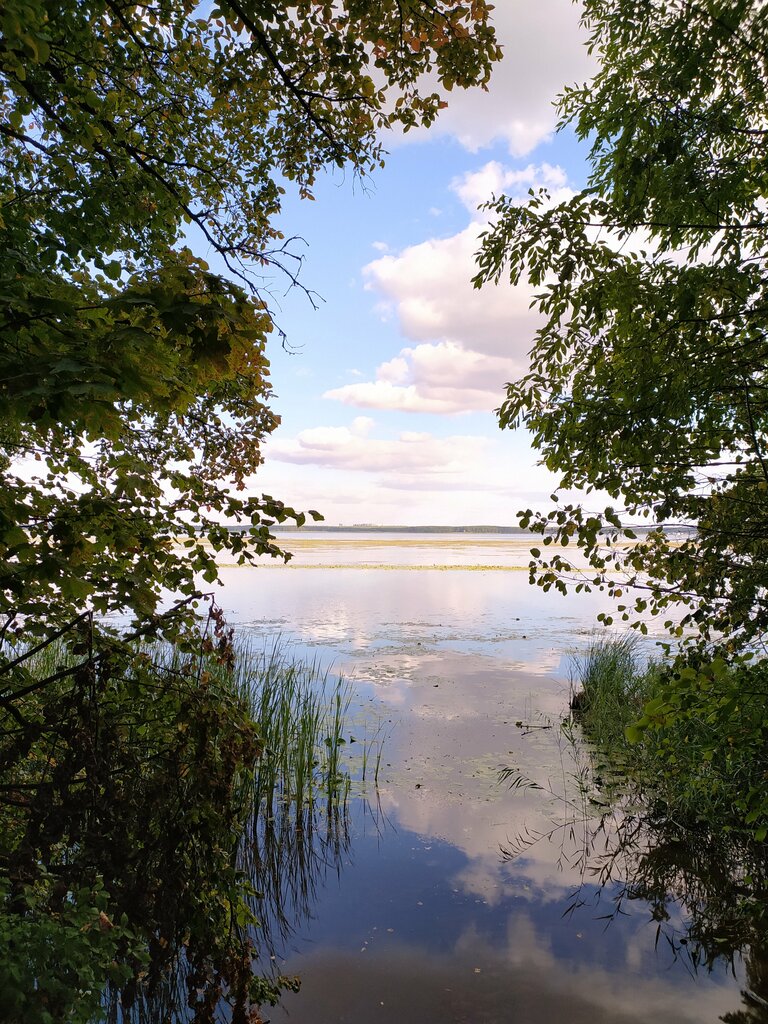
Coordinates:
x,y
447,896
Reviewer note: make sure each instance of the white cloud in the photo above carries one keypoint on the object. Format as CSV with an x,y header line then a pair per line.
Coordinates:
x,y
438,378
469,343
493,178
330,467
429,287
410,453
414,477
381,394
362,426
543,52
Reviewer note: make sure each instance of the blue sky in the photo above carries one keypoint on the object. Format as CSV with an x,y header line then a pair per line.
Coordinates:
x,y
387,394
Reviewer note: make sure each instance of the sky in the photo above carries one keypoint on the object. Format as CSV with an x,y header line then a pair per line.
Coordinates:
x,y
387,390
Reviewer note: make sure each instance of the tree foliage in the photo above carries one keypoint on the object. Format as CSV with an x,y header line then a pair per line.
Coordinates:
x,y
133,380
126,806
648,372
134,397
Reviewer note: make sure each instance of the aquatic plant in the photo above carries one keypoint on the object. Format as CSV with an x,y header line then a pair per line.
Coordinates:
x,y
608,686
661,798
691,730
153,804
632,835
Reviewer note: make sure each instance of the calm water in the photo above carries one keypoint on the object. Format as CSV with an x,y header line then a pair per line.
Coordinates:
x,y
437,906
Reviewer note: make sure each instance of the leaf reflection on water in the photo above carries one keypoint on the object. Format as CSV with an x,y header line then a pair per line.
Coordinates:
x,y
706,890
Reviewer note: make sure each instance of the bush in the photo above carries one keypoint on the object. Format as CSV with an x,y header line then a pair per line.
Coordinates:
x,y
129,791
692,731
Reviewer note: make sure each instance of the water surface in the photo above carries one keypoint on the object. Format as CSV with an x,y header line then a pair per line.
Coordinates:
x,y
442,908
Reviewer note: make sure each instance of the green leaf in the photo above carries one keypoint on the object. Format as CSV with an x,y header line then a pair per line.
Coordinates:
x,y
634,733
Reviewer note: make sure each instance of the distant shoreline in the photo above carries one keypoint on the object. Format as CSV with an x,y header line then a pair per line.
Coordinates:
x,y
477,529
366,528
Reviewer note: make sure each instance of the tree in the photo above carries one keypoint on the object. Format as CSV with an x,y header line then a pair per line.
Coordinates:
x,y
648,372
133,380
134,396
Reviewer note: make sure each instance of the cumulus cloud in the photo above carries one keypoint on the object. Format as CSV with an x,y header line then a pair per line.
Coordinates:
x,y
352,449
381,394
428,286
468,343
493,178
362,426
438,378
543,52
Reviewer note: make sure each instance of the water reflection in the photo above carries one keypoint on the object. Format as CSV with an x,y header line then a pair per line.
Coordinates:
x,y
288,856
434,925
705,891
430,923
403,940
352,613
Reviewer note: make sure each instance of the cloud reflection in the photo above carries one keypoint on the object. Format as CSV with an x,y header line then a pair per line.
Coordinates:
x,y
520,981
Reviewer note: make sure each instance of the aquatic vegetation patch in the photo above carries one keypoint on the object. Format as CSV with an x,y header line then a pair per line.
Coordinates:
x,y
691,730
155,805
662,799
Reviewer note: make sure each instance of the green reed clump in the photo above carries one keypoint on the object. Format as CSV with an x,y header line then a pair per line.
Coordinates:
x,y
301,712
691,731
299,792
609,688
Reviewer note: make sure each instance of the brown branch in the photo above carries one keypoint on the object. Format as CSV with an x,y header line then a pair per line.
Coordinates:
x,y
43,644
6,699
273,59
28,140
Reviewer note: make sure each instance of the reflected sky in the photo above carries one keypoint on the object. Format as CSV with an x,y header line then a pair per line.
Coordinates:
x,y
463,672
400,933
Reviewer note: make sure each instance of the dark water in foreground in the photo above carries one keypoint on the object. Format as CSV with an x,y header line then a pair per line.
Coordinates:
x,y
441,904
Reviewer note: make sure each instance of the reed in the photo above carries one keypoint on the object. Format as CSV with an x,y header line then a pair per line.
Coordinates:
x,y
300,711
609,686
246,744
298,825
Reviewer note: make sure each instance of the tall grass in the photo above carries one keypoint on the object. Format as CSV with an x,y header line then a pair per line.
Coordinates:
x,y
295,798
298,824
285,805
690,734
301,714
609,686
